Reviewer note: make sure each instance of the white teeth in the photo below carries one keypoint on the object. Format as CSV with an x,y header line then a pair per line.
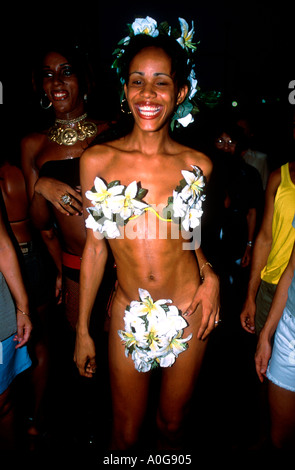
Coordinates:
x,y
59,95
148,110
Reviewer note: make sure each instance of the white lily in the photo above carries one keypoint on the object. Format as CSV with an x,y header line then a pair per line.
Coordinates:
x,y
125,204
179,205
110,229
178,344
193,81
186,120
102,192
134,322
141,360
145,26
167,360
175,322
90,222
195,183
147,306
153,332
193,216
186,36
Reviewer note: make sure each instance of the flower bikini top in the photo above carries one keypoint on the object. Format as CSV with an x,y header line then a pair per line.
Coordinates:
x,y
115,204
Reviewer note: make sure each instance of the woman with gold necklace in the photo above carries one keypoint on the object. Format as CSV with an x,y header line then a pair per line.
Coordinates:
x,y
50,161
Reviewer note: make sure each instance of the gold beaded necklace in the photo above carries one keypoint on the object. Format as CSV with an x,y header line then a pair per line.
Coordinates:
x,y
63,134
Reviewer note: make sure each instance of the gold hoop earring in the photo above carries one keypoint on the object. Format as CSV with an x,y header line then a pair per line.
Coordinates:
x,y
127,111
42,104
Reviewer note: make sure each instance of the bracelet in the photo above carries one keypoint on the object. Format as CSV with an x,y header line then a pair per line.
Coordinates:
x,y
201,269
250,243
24,313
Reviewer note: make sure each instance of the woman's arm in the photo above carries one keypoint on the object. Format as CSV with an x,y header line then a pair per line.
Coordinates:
x,y
263,351
92,270
9,266
43,190
207,296
260,254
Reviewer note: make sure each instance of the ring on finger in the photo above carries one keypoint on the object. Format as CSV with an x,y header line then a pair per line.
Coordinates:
x,y
66,199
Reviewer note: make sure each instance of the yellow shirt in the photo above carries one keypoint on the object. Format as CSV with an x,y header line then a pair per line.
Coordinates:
x,y
283,234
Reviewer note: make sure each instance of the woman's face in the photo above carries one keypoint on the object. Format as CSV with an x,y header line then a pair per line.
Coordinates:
x,y
61,86
151,91
225,143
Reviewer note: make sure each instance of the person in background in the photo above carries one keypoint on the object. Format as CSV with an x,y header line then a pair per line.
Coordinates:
x,y
235,209
275,358
15,330
271,254
38,275
272,248
252,155
50,159
63,81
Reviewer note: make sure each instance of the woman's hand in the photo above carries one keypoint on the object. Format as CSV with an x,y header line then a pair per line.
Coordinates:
x,y
262,356
58,288
246,259
207,296
64,198
24,328
84,355
247,316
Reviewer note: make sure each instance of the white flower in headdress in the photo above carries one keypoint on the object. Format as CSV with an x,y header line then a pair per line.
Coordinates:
x,y
186,37
145,26
193,81
185,121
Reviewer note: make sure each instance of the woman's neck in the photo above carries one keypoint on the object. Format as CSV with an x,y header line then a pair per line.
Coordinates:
x,y
149,143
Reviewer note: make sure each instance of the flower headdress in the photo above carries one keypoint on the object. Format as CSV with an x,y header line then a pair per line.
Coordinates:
x,y
184,113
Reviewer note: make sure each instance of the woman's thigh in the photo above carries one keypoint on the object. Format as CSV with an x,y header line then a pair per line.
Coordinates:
x,y
282,411
178,381
128,386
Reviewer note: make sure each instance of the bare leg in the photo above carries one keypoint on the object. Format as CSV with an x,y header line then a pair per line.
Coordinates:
x,y
282,410
129,392
177,388
7,424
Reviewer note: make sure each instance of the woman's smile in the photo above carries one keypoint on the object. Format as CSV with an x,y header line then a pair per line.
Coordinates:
x,y
148,111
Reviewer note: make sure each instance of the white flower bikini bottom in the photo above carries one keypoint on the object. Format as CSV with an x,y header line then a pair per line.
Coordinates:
x,y
153,332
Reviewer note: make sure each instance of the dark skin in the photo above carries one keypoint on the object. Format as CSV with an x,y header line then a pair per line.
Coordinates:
x,y
13,188
150,156
10,269
61,87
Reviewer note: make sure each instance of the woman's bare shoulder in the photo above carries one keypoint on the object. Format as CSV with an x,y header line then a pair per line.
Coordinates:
x,y
197,158
31,143
100,155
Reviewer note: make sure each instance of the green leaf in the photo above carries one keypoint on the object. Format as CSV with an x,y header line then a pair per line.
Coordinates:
x,y
113,183
141,193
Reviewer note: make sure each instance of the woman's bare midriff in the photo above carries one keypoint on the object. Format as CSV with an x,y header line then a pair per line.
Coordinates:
x,y
162,267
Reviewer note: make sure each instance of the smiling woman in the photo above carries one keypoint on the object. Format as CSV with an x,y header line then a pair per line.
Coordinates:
x,y
50,159
147,163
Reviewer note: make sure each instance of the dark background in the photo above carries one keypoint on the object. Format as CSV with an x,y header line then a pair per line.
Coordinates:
x,y
245,52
